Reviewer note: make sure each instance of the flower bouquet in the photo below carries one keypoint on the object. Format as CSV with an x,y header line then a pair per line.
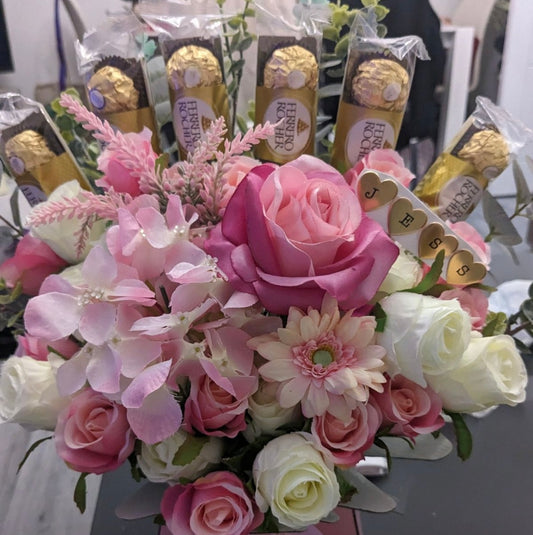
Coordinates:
x,y
242,333
247,335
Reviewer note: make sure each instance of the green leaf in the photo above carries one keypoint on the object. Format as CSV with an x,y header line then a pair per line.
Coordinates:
x,y
335,73
249,12
495,324
347,490
369,3
31,449
381,444
269,524
341,49
523,195
161,163
331,90
241,123
331,33
236,66
245,43
189,450
432,276
527,310
381,317
80,492
235,22
14,205
381,12
462,435
501,227
159,520
56,107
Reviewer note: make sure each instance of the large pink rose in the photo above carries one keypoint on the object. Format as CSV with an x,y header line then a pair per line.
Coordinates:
x,y
471,236
119,176
290,234
473,301
32,262
384,160
411,409
347,440
216,504
92,434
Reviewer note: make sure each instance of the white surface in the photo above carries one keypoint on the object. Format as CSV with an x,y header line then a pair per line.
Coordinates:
x,y
516,79
444,8
458,42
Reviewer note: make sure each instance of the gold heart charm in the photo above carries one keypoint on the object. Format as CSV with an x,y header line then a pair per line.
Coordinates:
x,y
374,193
404,219
462,269
433,239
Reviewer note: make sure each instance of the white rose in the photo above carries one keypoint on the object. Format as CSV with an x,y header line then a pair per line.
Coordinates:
x,y
28,393
156,460
491,373
405,273
266,412
61,236
292,478
423,335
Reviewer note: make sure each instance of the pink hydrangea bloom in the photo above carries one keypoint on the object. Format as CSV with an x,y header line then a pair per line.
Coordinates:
x,y
325,361
90,307
38,348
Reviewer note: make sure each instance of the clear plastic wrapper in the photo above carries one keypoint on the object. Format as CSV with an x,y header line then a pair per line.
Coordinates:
x,y
482,149
111,60
33,150
191,45
375,90
287,79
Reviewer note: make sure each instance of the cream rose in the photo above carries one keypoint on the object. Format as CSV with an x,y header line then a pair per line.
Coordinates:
x,y
491,373
292,478
423,335
405,273
28,393
62,236
156,460
266,412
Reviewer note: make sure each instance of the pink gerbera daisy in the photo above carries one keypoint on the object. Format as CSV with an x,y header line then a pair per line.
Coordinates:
x,y
325,361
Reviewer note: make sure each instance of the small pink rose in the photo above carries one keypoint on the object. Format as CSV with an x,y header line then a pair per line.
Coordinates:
x,y
234,174
32,262
411,409
212,505
473,301
346,440
294,233
38,348
385,160
113,163
216,409
471,236
92,434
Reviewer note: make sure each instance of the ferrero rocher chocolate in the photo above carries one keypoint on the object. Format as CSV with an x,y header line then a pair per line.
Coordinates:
x,y
381,84
487,151
193,66
293,67
27,150
111,91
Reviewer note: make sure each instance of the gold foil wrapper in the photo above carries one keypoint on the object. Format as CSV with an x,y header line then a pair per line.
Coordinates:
x,y
487,151
112,91
381,84
291,67
27,150
193,66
